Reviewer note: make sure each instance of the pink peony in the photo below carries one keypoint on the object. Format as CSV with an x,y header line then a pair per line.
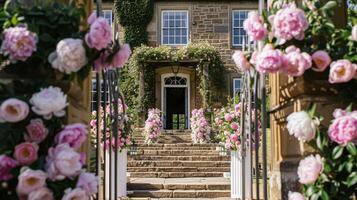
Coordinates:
x,y
122,56
36,131
74,135
41,194
30,180
270,60
241,61
75,194
354,33
321,60
18,43
288,23
344,127
295,196
296,62
100,33
234,137
234,126
6,165
309,169
26,153
102,61
62,161
342,71
254,26
88,182
228,117
13,110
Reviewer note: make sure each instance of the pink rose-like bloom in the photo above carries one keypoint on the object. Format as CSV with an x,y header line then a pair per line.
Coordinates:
x,y
344,127
228,117
295,196
234,126
13,110
342,71
88,182
270,60
18,43
26,153
122,56
100,33
102,61
309,169
62,161
241,61
77,194
30,180
6,165
296,62
354,33
254,26
288,23
321,60
36,131
41,194
74,135
234,137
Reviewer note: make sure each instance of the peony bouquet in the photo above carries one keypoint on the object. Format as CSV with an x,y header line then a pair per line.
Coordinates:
x,y
201,129
153,126
329,173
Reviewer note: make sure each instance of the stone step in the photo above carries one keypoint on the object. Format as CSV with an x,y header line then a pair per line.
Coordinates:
x,y
178,163
177,152
212,148
179,169
180,193
178,186
220,198
174,174
180,158
187,144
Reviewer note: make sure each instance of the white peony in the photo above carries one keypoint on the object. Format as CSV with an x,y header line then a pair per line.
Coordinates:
x,y
295,196
301,126
49,101
70,56
309,169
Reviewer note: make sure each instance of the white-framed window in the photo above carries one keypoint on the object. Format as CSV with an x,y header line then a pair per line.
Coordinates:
x,y
237,84
238,32
174,27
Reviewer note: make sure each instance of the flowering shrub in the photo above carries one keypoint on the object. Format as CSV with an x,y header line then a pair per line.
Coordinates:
x,y
330,173
153,126
200,127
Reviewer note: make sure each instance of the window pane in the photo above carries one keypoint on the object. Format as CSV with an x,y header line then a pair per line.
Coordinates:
x,y
165,32
171,40
165,40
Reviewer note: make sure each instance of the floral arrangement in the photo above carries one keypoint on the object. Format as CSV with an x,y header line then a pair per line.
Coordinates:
x,y
298,39
42,47
153,126
200,127
329,173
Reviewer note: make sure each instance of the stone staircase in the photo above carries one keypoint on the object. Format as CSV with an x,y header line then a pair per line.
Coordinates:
x,y
176,168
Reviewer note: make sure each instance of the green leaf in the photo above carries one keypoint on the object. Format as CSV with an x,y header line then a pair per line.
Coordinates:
x,y
352,179
324,195
349,108
312,110
337,152
352,148
329,5
349,166
315,196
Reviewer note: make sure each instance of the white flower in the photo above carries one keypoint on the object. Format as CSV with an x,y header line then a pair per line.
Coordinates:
x,y
49,101
295,196
301,126
309,169
70,56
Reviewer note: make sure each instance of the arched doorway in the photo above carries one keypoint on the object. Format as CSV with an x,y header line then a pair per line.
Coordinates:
x,y
175,100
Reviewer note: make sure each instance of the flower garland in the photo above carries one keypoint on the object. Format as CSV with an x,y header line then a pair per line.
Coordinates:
x,y
200,127
153,126
331,172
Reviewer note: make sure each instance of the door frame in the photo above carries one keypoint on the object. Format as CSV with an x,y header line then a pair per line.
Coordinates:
x,y
188,100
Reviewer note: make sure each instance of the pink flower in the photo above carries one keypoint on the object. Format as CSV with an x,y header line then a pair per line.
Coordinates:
x,y
18,43
100,33
228,117
30,180
122,56
241,61
74,135
62,161
6,165
342,71
296,62
343,128
354,33
254,26
75,194
295,196
309,169
36,131
288,23
13,110
234,126
270,60
102,61
41,194
26,153
88,182
321,60
234,137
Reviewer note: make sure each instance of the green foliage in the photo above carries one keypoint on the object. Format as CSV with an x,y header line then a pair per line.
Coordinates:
x,y
134,16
